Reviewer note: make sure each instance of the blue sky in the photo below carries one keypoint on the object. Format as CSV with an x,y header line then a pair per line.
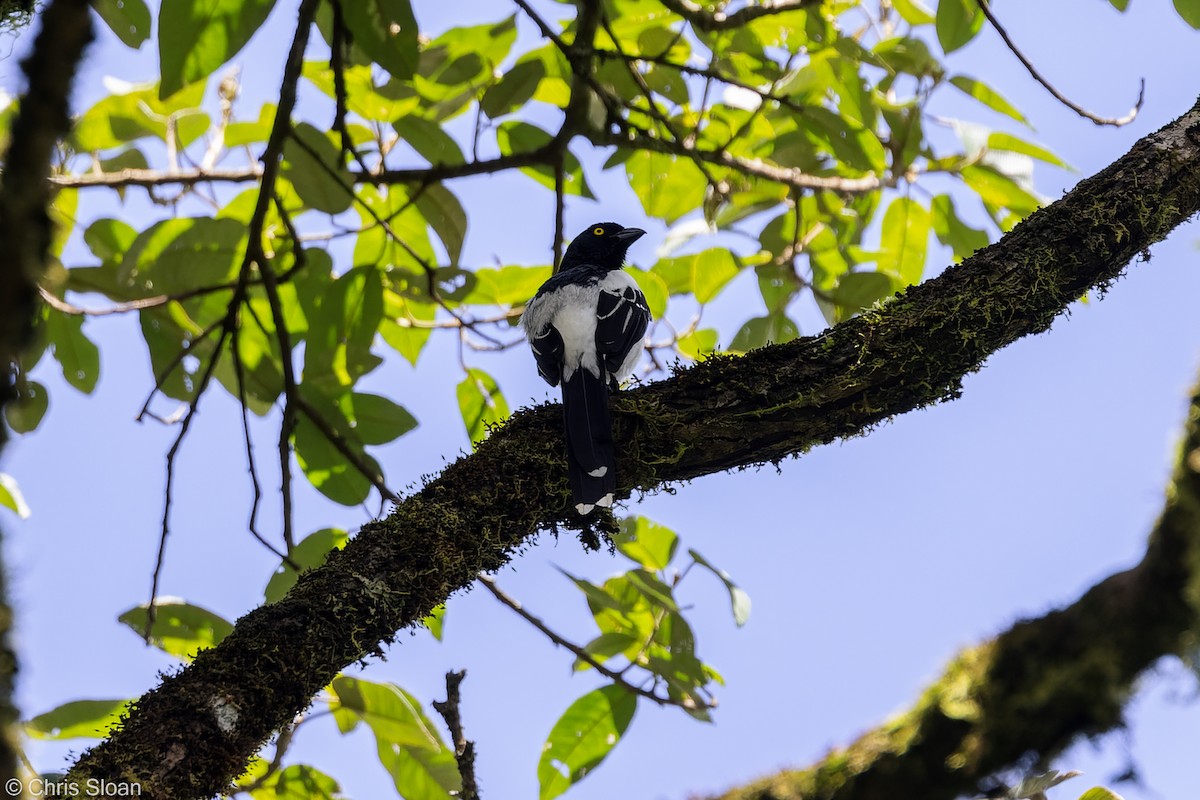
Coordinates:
x,y
870,562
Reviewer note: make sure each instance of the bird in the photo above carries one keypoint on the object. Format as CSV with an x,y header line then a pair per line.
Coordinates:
x,y
586,326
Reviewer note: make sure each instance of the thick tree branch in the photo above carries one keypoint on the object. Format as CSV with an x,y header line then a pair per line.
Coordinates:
x,y
1032,690
723,413
25,235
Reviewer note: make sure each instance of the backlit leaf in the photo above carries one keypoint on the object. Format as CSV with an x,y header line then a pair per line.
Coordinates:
x,y
90,719
180,629
987,95
27,408
128,19
308,553
646,542
904,240
958,21
11,497
314,166
582,738
75,352
386,31
197,36
481,403
738,599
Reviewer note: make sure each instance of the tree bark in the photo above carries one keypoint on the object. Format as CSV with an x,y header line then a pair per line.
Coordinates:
x,y
724,413
1034,688
25,231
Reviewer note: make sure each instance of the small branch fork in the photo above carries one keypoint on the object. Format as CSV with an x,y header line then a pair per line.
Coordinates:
x,y
617,677
986,7
464,750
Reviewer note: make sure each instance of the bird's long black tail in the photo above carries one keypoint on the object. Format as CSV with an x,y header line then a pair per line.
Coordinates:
x,y
591,462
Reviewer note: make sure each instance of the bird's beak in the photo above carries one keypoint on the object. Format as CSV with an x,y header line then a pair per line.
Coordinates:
x,y
630,235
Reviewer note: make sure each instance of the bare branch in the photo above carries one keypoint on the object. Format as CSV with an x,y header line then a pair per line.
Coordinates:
x,y
788,176
1116,122
464,750
618,678
719,21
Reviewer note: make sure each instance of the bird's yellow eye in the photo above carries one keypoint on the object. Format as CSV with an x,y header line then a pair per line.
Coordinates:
x,y
598,231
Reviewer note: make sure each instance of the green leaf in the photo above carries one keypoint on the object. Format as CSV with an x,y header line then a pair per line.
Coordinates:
x,y
507,286
26,410
1010,143
596,596
738,599
914,12
1100,793
109,239
761,331
314,166
698,344
703,274
325,466
952,231
1190,11
408,339
958,21
515,88
657,592
446,216
481,404
180,629
605,646
999,190
342,329
861,290
904,240
420,773
197,36
377,420
298,782
392,713
988,96
430,140
79,719
522,137
667,186
128,19
78,356
177,255
121,118
309,552
1119,5
436,621
11,497
653,287
582,738
646,542
386,31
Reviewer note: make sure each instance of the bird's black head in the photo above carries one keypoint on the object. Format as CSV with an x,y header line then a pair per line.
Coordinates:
x,y
602,245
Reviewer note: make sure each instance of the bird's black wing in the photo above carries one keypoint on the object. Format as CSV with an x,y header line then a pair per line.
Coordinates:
x,y
621,322
548,353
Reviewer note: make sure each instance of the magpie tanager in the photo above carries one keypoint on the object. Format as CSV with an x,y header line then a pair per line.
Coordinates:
x,y
587,326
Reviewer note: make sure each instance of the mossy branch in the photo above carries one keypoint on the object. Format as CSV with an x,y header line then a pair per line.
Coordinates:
x,y
1030,691
722,414
25,234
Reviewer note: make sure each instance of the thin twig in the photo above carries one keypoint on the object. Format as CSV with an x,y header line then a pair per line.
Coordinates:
x,y
464,750
489,583
1116,122
559,211
342,446
338,66
289,375
59,304
160,557
704,20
